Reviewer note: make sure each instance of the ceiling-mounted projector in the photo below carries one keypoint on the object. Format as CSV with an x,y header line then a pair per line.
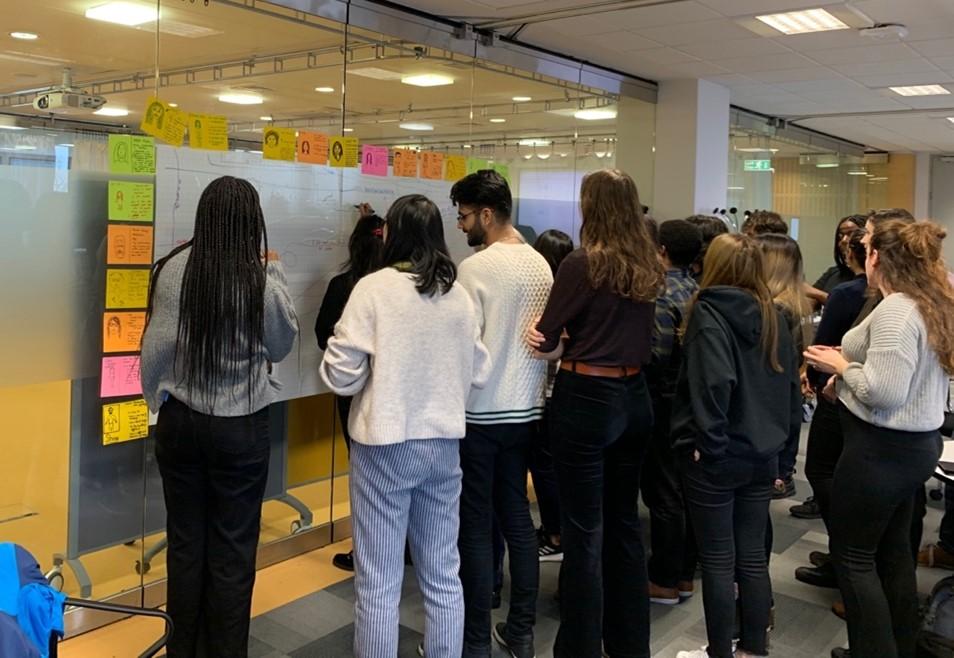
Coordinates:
x,y
885,31
65,99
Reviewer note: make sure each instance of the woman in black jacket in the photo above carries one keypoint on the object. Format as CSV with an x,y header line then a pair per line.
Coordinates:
x,y
364,251
738,403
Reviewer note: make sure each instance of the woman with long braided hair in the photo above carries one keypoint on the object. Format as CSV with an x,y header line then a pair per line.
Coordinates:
x,y
219,315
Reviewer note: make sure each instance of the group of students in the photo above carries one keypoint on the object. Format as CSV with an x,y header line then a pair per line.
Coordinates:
x,y
672,359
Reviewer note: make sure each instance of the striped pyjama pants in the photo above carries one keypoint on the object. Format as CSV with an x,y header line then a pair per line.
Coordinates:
x,y
410,491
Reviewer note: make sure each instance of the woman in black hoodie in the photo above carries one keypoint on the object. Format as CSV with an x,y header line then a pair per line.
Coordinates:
x,y
738,402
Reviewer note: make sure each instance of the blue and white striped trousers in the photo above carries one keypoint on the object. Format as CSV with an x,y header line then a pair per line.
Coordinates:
x,y
406,490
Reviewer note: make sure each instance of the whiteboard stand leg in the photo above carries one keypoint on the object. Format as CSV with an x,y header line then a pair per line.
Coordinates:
x,y
82,578
305,516
142,568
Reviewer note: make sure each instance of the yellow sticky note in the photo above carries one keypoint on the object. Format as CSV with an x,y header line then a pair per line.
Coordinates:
x,y
164,122
343,152
456,167
279,144
125,421
209,132
127,288
131,201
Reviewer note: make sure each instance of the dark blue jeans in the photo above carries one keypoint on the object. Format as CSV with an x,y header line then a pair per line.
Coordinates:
x,y
600,429
543,471
493,459
729,505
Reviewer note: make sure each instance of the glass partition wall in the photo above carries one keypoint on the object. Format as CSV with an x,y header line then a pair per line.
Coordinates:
x,y
82,489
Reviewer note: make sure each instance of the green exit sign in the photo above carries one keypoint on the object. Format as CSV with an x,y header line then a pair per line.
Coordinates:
x,y
758,165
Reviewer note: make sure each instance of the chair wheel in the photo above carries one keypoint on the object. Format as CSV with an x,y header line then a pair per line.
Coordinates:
x,y
142,568
936,494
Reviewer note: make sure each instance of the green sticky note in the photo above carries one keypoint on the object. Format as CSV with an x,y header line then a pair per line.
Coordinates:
x,y
131,201
476,164
143,155
503,170
120,154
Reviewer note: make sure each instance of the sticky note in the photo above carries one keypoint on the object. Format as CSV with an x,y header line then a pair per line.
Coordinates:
x,y
129,245
344,152
279,144
132,154
405,163
432,165
127,288
374,160
209,132
120,377
313,148
131,201
456,167
164,122
503,170
125,421
476,164
122,332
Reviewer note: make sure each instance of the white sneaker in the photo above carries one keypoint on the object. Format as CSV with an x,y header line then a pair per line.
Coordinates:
x,y
698,653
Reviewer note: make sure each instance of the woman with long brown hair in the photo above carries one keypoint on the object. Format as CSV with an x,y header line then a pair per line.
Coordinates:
x,y
601,418
737,407
891,381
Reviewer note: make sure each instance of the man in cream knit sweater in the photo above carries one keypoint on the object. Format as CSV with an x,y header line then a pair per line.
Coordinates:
x,y
509,283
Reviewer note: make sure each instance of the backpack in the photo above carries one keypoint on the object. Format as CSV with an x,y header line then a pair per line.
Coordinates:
x,y
936,637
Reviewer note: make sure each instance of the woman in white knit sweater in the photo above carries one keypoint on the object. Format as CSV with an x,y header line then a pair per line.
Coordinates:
x,y
891,381
408,349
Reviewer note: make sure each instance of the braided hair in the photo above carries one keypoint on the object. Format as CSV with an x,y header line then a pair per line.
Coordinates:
x,y
221,304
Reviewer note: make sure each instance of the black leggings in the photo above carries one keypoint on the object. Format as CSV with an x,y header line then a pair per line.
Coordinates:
x,y
873,496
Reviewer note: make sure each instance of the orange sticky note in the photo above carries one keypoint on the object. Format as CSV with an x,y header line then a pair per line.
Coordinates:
x,y
405,163
122,332
313,148
129,245
433,168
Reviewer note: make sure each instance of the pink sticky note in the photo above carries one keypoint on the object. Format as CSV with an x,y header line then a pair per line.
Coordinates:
x,y
120,376
374,160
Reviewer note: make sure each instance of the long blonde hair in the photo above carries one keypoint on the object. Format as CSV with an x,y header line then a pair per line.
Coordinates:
x,y
735,260
615,236
910,261
785,278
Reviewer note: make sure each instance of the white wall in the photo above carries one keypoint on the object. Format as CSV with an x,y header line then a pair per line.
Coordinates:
x,y
942,202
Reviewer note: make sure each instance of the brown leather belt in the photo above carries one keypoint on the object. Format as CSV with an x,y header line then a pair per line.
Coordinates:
x,y
616,372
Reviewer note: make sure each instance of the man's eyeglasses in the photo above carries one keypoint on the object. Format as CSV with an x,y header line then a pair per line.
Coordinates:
x,y
462,218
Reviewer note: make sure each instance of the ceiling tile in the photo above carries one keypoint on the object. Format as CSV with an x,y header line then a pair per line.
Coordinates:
x,y
663,56
721,30
581,26
818,86
696,69
934,47
917,65
751,7
796,75
715,51
776,62
869,53
946,64
671,14
903,79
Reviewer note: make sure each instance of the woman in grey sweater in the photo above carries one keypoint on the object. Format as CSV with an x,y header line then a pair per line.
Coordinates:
x,y
891,382
219,316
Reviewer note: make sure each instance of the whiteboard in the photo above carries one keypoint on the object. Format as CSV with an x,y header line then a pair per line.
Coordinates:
x,y
309,213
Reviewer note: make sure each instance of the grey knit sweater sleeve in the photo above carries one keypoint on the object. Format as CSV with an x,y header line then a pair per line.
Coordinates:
x,y
161,370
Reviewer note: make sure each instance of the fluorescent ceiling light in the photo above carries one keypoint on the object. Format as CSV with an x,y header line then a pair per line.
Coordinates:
x,y
258,152
857,173
803,22
25,36
920,90
754,149
24,147
826,165
242,98
595,114
428,80
375,73
416,126
2,127
879,178
325,90
951,119
348,130
522,99
123,13
498,121
66,145
534,142
265,118
736,188
112,112
173,105
468,146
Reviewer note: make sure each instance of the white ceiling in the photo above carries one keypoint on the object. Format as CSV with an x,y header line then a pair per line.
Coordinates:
x,y
794,76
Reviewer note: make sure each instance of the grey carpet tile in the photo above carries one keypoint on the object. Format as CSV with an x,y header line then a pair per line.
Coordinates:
x,y
314,616
339,644
272,633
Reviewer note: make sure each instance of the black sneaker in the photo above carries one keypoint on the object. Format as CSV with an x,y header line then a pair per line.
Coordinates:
x,y
819,558
344,561
839,652
787,491
546,549
515,648
807,510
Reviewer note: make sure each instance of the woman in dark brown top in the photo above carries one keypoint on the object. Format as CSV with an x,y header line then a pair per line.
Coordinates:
x,y
601,418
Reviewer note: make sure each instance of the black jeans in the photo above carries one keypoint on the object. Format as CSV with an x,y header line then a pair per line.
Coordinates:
x,y
946,533
600,429
213,477
825,443
543,471
673,557
872,503
344,411
494,461
729,504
